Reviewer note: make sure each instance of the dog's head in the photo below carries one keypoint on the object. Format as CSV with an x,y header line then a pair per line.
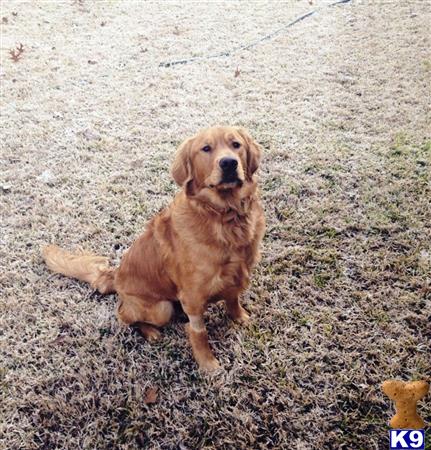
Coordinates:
x,y
218,158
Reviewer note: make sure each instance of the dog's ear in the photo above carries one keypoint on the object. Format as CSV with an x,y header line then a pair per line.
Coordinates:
x,y
253,153
181,169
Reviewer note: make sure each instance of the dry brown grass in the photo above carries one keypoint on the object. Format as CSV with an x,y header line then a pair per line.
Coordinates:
x,y
341,300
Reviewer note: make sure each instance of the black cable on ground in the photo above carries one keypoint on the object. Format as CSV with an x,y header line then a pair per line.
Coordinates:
x,y
246,46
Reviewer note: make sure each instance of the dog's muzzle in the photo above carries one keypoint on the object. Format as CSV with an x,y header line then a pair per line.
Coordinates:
x,y
229,167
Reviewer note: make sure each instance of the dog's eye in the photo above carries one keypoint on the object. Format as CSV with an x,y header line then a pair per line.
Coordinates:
x,y
236,144
206,149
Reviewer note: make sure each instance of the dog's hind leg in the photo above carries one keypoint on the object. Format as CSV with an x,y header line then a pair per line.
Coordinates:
x,y
144,315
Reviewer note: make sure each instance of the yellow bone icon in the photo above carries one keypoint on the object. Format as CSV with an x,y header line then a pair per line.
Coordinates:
x,y
405,396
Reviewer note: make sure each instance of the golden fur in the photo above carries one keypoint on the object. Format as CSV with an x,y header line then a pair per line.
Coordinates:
x,y
199,249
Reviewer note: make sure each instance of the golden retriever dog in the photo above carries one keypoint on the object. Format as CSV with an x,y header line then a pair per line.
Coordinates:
x,y
200,249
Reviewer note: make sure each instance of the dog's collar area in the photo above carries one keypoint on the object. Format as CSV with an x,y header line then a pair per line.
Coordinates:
x,y
229,214
228,207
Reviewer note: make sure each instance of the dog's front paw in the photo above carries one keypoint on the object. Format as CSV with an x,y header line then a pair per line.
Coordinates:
x,y
207,362
209,365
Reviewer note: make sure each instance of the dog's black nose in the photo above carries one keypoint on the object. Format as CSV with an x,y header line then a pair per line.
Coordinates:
x,y
228,164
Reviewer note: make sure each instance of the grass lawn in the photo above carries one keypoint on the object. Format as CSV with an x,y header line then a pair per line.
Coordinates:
x,y
341,300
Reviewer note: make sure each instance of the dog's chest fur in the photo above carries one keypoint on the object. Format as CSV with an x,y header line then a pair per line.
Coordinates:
x,y
208,250
229,251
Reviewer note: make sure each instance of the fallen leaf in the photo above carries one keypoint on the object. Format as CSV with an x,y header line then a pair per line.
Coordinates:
x,y
150,395
16,54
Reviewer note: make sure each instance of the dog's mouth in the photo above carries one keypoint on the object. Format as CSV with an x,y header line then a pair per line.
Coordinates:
x,y
228,182
229,176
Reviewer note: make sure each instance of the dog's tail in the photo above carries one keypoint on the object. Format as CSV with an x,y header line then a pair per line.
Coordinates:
x,y
83,266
